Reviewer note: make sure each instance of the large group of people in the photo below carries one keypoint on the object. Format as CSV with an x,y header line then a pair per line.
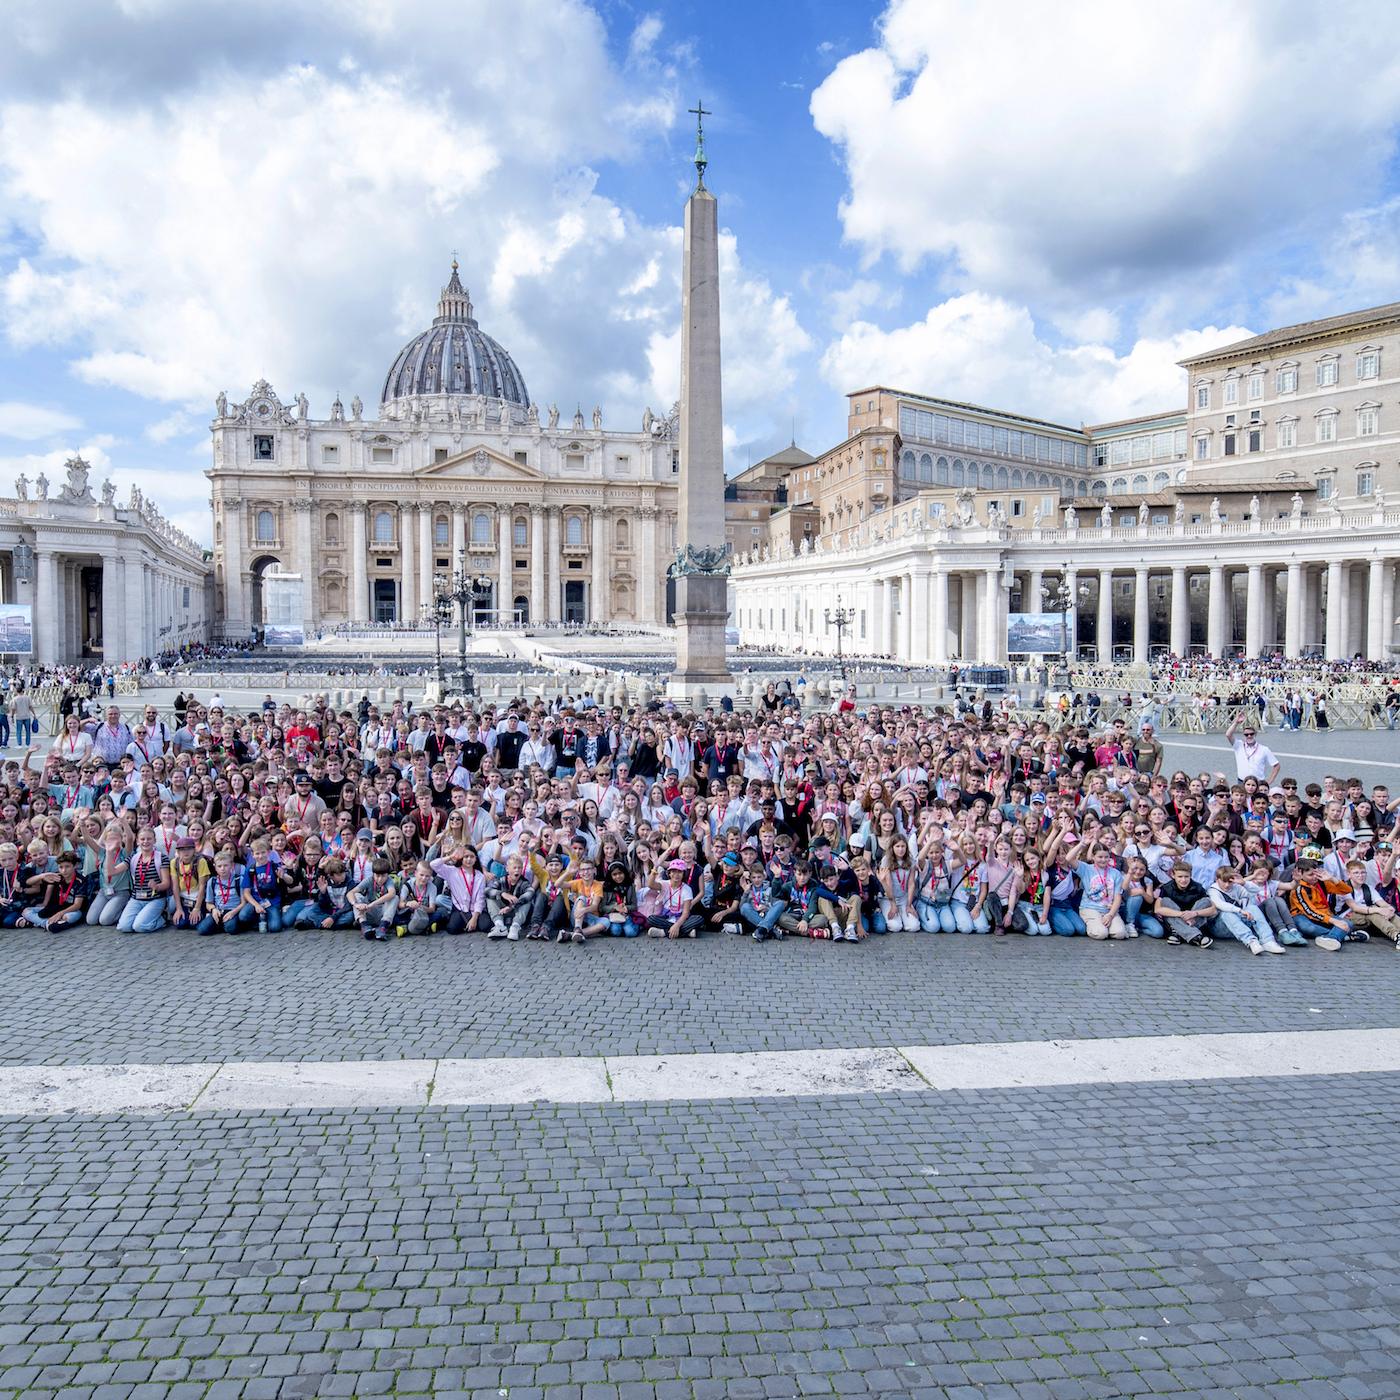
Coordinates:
x,y
534,821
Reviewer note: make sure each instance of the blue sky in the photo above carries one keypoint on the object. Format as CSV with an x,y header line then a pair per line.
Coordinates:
x,y
1032,206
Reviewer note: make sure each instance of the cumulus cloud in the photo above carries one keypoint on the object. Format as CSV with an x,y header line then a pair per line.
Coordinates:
x,y
985,349
1108,143
30,421
191,226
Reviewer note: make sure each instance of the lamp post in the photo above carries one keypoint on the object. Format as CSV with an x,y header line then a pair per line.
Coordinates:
x,y
840,618
464,590
1063,601
438,611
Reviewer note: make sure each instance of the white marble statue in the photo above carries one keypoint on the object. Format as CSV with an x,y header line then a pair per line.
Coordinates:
x,y
1106,517
1215,516
554,415
357,408
1071,518
42,484
1255,511
1142,515
1295,508
22,487
597,419
303,406
221,405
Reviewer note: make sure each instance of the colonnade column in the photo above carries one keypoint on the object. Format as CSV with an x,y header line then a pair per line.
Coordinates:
x,y
359,549
408,577
939,620
1103,636
459,535
1254,610
990,598
1141,615
505,599
918,615
1336,609
1215,611
47,611
599,608
877,614
235,609
891,642
1071,582
113,610
537,548
1387,610
427,546
1035,601
1180,640
554,552
1375,592
1293,612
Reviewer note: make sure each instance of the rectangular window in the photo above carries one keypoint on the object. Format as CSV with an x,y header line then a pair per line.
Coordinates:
x,y
1142,449
1324,488
1366,483
622,465
439,454
1326,373
1368,422
1018,507
262,447
1202,395
1288,435
1286,381
1121,451
381,455
1327,428
1255,440
1100,454
330,454
1229,444
573,461
187,596
1368,364
1161,444
1256,386
1202,449
1179,442
1232,391
1231,419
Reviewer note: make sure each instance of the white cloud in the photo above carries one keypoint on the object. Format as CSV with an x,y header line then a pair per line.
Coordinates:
x,y
1108,143
985,349
172,425
29,421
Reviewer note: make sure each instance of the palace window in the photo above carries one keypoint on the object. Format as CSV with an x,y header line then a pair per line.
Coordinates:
x,y
1327,372
1286,380
265,528
1327,427
1368,364
1256,386
330,531
481,528
1324,488
1255,440
1232,390
1229,444
1368,420
383,527
1288,433
381,455
520,532
1366,482
1202,449
330,454
573,530
442,532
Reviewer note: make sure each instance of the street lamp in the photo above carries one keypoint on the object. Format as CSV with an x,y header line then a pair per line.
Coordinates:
x,y
1062,600
438,611
840,618
464,590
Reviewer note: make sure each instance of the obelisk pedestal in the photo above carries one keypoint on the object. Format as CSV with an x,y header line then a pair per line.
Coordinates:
x,y
701,567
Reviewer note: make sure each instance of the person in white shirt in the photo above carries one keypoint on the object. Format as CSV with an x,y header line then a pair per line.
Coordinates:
x,y
1252,759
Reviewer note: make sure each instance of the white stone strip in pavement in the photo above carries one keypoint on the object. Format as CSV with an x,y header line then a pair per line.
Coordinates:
x,y
1222,748
271,1086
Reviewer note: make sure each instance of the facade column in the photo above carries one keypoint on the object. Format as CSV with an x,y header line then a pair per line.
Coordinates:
x,y
891,642
1142,617
599,599
505,593
553,574
939,619
1336,609
918,616
1254,610
1180,641
1071,620
47,609
1035,601
906,641
1388,612
426,549
408,574
113,609
1215,611
537,580
989,597
359,550
459,536
305,563
877,613
648,607
1376,586
235,599
1293,613
1103,634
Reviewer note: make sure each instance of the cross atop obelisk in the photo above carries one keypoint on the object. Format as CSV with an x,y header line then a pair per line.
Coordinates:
x,y
701,570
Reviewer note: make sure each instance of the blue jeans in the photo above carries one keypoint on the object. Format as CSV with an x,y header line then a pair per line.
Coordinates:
x,y
4,731
241,919
35,916
1246,925
764,924
276,919
1065,919
143,916
25,729
298,913
874,923
1148,924
944,918
1034,923
1310,928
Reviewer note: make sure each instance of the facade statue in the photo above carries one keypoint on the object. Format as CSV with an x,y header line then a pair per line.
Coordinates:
x,y
1071,518
76,490
357,408
42,483
1215,516
996,517
1037,518
303,406
597,419
554,415
648,418
533,414
1179,512
221,405
1295,508
1254,510
1106,517
966,507
578,418
22,487
109,491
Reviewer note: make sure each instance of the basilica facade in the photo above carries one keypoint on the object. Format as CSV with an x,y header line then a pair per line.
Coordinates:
x,y
566,520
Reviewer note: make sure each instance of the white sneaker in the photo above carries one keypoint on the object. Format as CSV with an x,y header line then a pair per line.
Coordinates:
x,y
496,931
514,935
730,928
1255,947
1275,948
1330,944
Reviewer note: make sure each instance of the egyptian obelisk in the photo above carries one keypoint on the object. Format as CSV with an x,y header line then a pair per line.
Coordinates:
x,y
701,567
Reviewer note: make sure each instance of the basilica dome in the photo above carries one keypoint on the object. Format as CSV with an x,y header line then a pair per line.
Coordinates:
x,y
455,356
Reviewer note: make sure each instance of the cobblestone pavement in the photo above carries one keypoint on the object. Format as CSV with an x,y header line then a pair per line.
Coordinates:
x,y
99,997
1215,1239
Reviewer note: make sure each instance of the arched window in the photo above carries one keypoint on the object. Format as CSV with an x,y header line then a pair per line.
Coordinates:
x,y
1161,481
1100,488
972,474
926,469
1139,485
331,529
266,527
1120,486
573,530
906,466
957,471
383,527
1081,489
622,537
522,608
520,532
442,528
942,471
1016,479
1003,478
481,528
